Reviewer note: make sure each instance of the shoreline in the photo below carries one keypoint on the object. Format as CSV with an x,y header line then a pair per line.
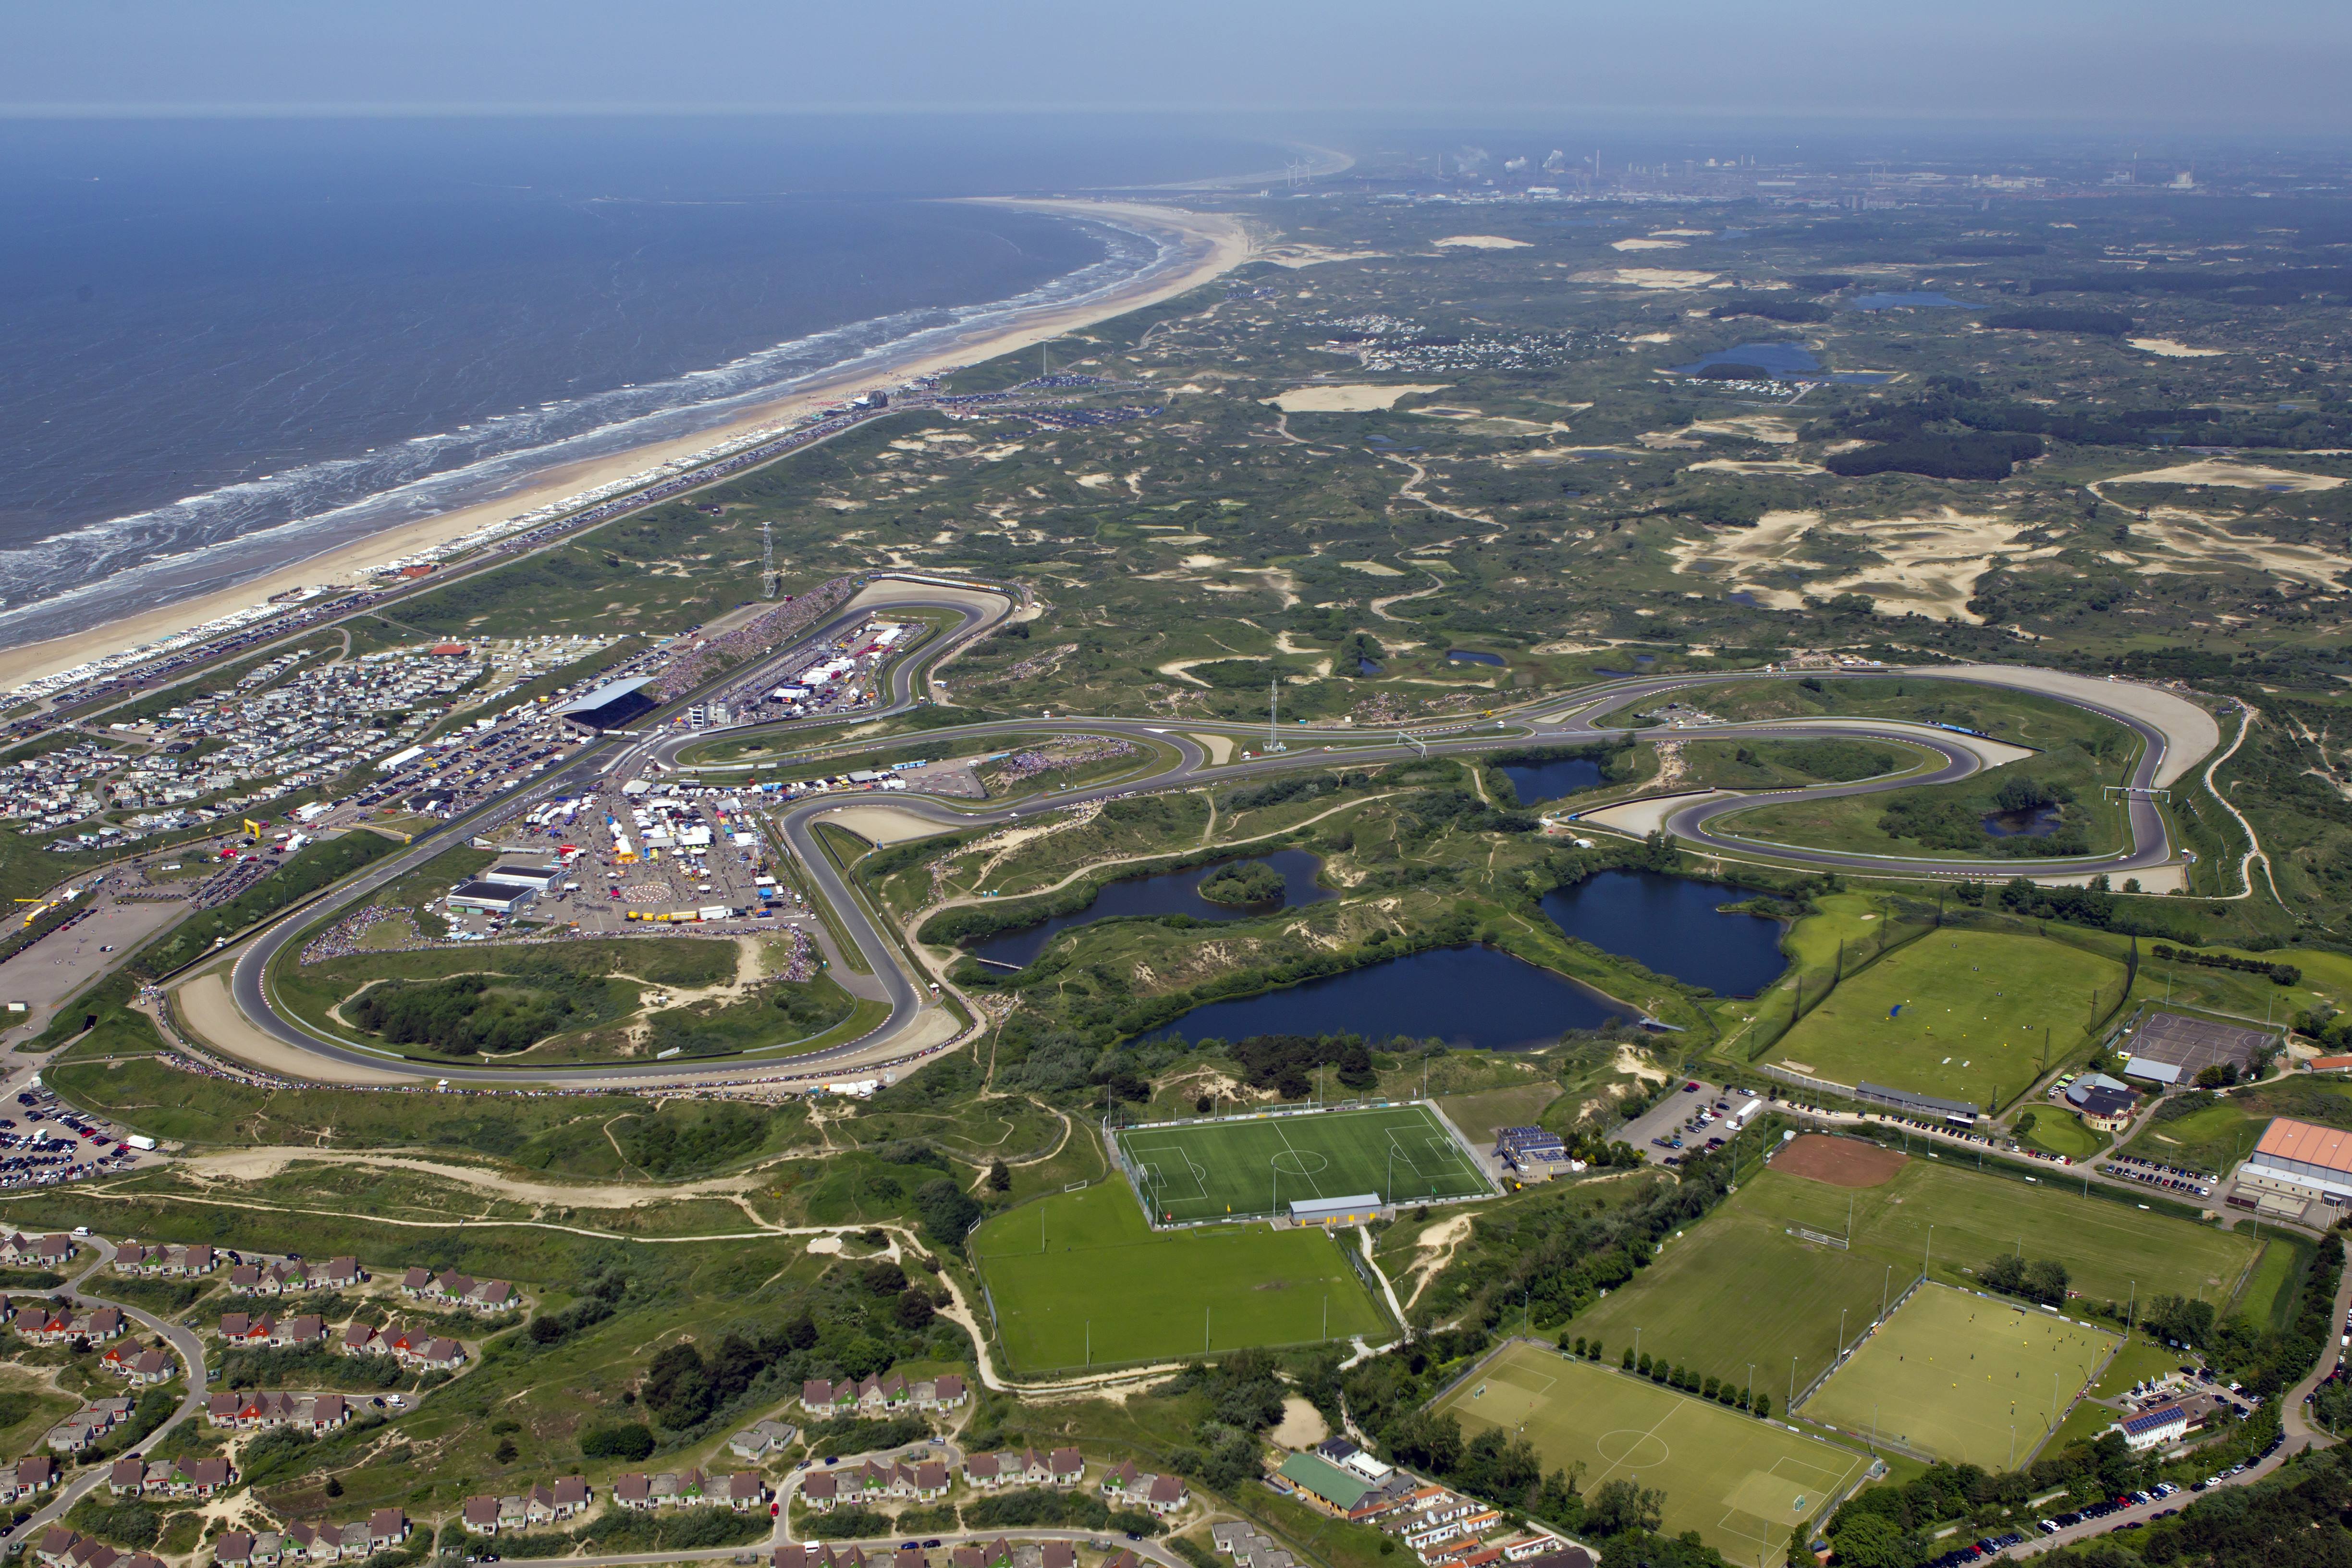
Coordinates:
x,y
1209,244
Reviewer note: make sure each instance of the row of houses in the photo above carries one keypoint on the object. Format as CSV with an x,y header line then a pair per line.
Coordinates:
x,y
998,1553
245,1332
87,1425
543,1505
742,1491
413,1348
27,1478
38,1251
451,1289
166,1262
823,1491
1062,1467
856,1397
260,1410
294,1276
1137,1488
135,1477
385,1531
62,1548
63,1325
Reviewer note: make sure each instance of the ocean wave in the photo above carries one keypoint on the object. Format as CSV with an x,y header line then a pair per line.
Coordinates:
x,y
198,543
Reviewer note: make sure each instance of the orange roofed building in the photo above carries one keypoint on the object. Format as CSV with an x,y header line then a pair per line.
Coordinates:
x,y
2299,1160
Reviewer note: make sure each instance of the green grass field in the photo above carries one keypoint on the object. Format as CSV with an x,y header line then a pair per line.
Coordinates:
x,y
1736,1288
1964,1377
1262,1165
1973,1009
1077,1279
1743,1484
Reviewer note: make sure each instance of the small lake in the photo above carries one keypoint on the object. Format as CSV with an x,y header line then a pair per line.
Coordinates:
x,y
1540,781
1782,361
1157,893
1366,667
1907,302
1466,656
2038,822
1479,998
1671,925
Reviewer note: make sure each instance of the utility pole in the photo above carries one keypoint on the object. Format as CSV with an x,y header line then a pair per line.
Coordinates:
x,y
1929,1256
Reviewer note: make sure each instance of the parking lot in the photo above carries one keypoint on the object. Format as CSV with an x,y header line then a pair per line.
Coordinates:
x,y
1687,1122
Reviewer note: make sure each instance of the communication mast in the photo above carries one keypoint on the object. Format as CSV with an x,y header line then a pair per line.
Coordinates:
x,y
770,583
1273,711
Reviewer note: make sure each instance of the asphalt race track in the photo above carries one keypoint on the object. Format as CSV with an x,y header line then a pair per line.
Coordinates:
x,y
2173,734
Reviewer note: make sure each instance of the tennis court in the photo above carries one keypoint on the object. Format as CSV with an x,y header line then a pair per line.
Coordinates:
x,y
1260,1165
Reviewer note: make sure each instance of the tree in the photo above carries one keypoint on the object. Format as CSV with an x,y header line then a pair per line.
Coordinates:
x,y
1000,1178
913,1310
677,1387
948,1212
1873,1540
1764,1407
1622,1505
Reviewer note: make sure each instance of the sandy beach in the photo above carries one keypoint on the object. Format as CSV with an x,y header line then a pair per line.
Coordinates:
x,y
1208,243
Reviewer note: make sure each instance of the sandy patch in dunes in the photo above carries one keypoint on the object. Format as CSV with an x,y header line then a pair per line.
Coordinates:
x,y
1648,278
1483,242
1930,565
2216,471
1681,233
1375,568
2172,350
2189,541
1770,428
1095,481
1653,338
1219,747
1359,398
1645,245
1295,256
1201,562
1648,815
1735,466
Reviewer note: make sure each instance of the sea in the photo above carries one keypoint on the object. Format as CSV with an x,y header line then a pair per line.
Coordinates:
x,y
229,344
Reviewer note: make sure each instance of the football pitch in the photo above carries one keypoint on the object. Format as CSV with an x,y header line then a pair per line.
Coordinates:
x,y
1261,1164
1964,1377
1962,1013
1743,1484
1078,1279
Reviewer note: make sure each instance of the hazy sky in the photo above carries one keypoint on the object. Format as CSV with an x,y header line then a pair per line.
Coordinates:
x,y
2243,65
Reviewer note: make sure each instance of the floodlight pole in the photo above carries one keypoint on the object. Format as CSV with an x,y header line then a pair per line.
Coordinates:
x,y
1752,1385
1793,1383
1883,1284
1840,1333
1637,1346
1928,1259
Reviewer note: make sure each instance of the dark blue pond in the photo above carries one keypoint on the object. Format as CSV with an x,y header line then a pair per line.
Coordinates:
x,y
1160,893
1540,781
1466,656
1471,997
1782,361
1671,925
2038,822
1907,302
1742,597
1366,667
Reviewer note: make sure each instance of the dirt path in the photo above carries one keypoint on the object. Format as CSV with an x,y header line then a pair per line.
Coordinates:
x,y
1434,1250
262,1164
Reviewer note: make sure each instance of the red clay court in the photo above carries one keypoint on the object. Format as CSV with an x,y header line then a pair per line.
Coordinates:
x,y
1840,1162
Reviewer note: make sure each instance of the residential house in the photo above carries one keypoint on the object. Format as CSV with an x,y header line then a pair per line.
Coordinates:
x,y
127,1478
761,1438
201,1477
386,1527
746,1490
567,1499
480,1515
1066,1467
341,1273
27,1478
635,1490
151,1367
360,1339
821,1489
301,1333
941,1394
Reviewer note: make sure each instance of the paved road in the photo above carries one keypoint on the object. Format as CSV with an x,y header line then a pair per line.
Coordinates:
x,y
184,1342
1582,716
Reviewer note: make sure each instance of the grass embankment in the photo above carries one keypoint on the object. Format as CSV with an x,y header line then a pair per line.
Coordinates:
x,y
296,876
